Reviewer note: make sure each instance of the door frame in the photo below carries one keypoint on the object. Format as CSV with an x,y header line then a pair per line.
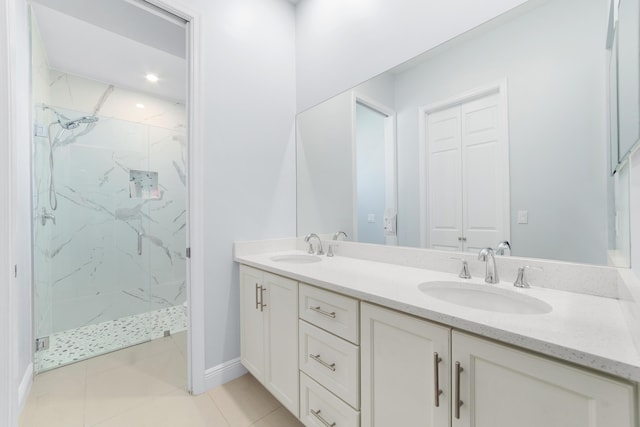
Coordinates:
x,y
196,367
10,34
390,151
8,312
501,88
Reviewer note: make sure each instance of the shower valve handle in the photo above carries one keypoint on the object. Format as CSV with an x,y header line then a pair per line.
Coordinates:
x,y
46,215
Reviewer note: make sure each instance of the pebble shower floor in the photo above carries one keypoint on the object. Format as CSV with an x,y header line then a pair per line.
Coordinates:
x,y
93,340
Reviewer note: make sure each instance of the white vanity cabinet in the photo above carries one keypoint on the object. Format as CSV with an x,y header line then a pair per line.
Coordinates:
x,y
497,386
500,386
400,372
269,333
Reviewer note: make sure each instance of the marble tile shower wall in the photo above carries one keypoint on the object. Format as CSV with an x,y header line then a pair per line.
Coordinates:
x,y
87,266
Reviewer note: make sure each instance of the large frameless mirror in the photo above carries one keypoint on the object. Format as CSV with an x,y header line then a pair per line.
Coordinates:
x,y
499,134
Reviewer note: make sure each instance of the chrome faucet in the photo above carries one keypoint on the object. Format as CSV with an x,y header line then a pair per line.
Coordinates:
x,y
307,239
491,272
502,246
338,233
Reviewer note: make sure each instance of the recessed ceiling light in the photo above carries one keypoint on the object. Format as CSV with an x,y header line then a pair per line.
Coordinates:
x,y
140,106
152,78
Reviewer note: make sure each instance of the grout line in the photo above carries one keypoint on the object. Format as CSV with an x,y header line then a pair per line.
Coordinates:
x,y
262,418
218,408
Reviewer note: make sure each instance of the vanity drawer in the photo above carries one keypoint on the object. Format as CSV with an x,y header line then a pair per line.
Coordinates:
x,y
317,404
335,313
331,361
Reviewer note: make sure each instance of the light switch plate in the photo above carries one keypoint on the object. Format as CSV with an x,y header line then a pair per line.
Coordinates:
x,y
371,218
523,217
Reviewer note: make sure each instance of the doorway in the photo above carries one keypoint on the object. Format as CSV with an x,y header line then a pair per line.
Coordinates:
x,y
375,175
109,187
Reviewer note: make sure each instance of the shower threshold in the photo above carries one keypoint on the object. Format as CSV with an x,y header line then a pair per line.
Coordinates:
x,y
89,341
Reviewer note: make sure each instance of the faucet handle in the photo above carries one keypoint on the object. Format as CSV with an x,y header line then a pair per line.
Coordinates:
x,y
502,246
464,273
330,251
310,250
521,279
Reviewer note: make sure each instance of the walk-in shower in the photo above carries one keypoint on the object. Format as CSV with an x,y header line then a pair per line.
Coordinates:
x,y
109,202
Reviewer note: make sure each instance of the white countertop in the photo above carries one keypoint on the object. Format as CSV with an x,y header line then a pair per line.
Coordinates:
x,y
587,330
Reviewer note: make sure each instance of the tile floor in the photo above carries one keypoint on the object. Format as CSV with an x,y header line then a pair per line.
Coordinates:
x,y
144,386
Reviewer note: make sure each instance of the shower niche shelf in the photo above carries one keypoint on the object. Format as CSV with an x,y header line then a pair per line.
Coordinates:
x,y
143,184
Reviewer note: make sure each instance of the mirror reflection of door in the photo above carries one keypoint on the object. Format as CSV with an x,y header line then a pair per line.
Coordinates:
x,y
375,174
467,174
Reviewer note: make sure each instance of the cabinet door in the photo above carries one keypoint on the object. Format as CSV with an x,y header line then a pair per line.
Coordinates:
x,y
251,322
399,371
504,387
281,299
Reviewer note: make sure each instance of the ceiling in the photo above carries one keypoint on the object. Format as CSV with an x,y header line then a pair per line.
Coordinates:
x,y
117,42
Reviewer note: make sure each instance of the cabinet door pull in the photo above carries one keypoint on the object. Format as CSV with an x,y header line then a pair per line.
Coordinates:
x,y
436,379
262,304
324,313
458,402
321,418
258,290
316,357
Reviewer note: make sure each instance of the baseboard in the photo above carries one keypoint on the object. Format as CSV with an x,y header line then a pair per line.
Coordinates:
x,y
25,387
225,372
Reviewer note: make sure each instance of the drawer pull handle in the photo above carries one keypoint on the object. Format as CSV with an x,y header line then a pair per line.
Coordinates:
x,y
321,418
324,313
316,357
459,402
436,379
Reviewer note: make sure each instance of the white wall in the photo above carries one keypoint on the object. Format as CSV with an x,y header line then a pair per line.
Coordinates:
x,y
22,198
341,43
15,235
325,168
248,70
370,169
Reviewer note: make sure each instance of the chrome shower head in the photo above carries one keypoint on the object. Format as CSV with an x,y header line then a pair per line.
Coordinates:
x,y
72,124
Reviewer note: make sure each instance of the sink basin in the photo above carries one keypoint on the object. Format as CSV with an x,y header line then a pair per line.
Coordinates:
x,y
484,297
296,258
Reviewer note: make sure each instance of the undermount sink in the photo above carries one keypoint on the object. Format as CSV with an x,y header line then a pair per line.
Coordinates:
x,y
296,258
484,297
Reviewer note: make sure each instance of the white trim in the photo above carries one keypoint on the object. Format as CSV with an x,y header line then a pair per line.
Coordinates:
x,y
8,395
223,373
391,155
25,386
354,170
196,376
501,88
